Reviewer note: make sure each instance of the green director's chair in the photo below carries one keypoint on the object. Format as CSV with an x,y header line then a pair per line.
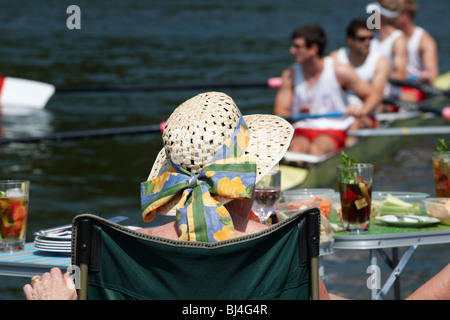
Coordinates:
x,y
280,262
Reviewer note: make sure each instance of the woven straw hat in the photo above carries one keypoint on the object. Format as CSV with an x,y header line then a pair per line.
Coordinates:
x,y
200,126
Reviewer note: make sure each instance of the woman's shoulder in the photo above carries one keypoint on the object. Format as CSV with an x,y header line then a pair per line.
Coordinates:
x,y
168,231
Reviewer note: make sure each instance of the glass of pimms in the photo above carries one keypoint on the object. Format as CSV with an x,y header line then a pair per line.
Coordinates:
x,y
441,170
14,197
355,190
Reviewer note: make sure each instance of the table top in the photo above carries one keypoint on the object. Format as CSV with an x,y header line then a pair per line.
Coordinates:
x,y
381,235
30,261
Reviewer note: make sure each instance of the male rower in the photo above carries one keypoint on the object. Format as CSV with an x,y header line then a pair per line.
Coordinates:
x,y
370,66
390,43
316,84
422,49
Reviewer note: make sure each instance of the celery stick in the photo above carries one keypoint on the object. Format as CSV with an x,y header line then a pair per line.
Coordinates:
x,y
394,201
364,191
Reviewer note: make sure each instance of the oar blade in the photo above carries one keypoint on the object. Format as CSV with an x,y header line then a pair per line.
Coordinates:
x,y
17,92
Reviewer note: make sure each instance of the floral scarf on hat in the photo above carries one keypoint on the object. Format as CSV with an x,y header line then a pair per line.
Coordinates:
x,y
200,216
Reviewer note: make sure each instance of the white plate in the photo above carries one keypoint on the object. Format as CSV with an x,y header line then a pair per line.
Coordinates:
x,y
46,246
52,249
408,221
55,238
52,243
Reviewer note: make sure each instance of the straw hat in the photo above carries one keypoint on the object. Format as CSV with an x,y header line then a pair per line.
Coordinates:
x,y
201,125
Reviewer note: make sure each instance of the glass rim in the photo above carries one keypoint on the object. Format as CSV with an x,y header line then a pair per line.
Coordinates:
x,y
357,165
445,153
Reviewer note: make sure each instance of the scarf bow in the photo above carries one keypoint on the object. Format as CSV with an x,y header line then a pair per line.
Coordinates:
x,y
200,215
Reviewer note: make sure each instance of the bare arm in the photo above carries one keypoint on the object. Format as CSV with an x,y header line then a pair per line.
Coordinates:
x,y
349,80
437,288
381,77
400,54
283,99
428,52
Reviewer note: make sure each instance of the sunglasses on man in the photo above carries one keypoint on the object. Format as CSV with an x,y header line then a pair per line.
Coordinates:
x,y
361,39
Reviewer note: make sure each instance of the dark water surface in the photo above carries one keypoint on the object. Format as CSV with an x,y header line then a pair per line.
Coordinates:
x,y
140,42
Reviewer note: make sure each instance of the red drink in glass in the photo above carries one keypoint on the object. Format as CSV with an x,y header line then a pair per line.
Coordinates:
x,y
441,170
355,204
355,190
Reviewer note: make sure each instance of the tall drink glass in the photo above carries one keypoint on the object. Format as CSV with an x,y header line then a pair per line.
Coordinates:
x,y
355,190
14,196
267,194
441,170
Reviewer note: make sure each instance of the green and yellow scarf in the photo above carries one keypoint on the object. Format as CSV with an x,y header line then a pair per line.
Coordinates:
x,y
200,216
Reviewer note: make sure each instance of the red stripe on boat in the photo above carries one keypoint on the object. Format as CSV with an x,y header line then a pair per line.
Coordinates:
x,y
2,80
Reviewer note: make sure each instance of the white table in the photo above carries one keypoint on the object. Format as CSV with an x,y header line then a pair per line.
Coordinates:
x,y
380,238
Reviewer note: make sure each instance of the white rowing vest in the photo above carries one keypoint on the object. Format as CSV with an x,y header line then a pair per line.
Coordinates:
x,y
365,71
385,47
415,63
326,96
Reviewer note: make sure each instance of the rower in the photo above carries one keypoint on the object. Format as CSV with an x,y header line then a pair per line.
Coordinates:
x,y
316,84
422,48
369,66
390,43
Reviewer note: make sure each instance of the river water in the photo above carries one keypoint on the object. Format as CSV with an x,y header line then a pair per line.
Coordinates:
x,y
141,42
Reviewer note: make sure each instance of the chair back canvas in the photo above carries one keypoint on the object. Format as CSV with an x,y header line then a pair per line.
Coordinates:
x,y
134,265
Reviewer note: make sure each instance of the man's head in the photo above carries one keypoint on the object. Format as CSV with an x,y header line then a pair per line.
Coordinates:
x,y
390,11
408,10
308,41
359,36
409,6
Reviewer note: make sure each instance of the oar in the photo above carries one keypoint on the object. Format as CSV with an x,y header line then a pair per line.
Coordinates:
x,y
272,83
314,116
444,112
405,131
421,86
84,134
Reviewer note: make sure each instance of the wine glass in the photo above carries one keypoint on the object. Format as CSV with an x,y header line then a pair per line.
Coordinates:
x,y
267,194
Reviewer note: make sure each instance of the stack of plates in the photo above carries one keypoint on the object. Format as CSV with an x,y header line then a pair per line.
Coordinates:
x,y
54,240
53,244
59,239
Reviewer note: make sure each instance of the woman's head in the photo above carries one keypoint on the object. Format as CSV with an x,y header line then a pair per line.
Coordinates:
x,y
214,153
200,126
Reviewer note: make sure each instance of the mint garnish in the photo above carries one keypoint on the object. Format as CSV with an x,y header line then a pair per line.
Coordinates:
x,y
443,147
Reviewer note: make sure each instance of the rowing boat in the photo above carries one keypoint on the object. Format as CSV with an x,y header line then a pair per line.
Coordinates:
x,y
320,172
